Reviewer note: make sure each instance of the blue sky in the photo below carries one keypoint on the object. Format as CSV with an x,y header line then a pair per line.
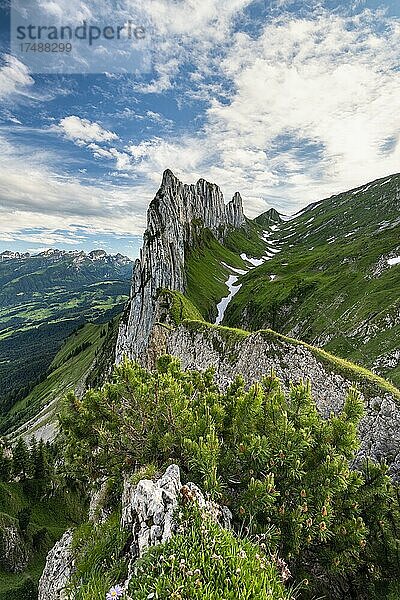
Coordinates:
x,y
287,102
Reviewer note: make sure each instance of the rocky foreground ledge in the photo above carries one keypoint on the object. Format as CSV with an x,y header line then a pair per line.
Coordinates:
x,y
148,510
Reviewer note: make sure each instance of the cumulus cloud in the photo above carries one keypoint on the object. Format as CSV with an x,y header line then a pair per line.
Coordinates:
x,y
83,131
186,32
122,159
331,81
313,109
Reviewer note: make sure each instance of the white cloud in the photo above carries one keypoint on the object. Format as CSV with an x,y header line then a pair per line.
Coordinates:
x,y
83,131
75,10
188,32
34,195
185,155
14,77
330,80
123,161
314,101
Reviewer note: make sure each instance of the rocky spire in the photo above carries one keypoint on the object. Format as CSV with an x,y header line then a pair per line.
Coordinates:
x,y
174,216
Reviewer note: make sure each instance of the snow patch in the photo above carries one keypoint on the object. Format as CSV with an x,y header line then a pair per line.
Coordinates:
x,y
233,288
256,262
234,269
364,189
394,261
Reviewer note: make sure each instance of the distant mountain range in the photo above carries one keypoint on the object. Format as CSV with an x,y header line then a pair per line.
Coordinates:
x,y
57,254
43,299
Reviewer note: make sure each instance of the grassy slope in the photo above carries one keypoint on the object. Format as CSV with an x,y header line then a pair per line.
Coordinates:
x,y
180,308
42,301
55,514
206,273
326,285
66,372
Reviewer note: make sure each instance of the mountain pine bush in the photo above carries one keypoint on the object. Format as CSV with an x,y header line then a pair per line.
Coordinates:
x,y
267,454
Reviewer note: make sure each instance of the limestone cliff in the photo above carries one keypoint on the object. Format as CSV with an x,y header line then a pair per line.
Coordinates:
x,y
175,218
200,346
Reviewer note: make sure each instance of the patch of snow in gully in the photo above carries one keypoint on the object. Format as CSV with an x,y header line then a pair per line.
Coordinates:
x,y
233,288
256,262
231,283
235,270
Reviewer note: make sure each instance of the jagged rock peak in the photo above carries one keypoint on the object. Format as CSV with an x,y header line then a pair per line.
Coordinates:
x,y
169,179
174,218
200,201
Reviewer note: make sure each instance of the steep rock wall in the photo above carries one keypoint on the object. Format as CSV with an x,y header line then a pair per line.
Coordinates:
x,y
174,219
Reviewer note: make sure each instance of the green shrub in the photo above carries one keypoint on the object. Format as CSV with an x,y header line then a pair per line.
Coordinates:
x,y
282,469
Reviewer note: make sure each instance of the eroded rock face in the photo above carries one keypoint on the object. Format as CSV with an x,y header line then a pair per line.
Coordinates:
x,y
256,355
13,553
148,509
58,570
174,219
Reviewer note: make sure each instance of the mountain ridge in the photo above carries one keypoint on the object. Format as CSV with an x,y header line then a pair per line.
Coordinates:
x,y
338,224
55,253
176,216
336,280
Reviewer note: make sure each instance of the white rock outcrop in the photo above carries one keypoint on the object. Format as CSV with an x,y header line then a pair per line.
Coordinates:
x,y
148,513
58,570
148,509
